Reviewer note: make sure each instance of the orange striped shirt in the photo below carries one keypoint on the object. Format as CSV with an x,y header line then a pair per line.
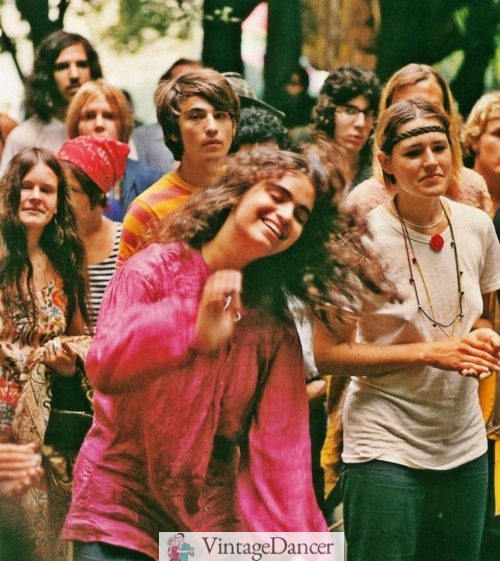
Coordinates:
x,y
167,194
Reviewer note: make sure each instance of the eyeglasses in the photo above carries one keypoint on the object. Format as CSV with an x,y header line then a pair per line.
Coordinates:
x,y
352,112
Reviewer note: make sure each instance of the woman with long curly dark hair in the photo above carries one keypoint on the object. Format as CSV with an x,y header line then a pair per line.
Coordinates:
x,y
42,325
200,399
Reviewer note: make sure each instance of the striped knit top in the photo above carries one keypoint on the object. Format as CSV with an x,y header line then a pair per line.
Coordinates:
x,y
100,274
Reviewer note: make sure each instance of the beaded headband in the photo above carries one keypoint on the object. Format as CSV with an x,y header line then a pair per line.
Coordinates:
x,y
390,143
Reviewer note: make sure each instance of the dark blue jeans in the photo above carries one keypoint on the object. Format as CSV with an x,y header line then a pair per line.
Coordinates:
x,y
490,549
99,551
392,512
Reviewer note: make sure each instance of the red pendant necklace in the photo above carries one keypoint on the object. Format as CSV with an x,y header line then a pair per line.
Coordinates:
x,y
436,242
412,260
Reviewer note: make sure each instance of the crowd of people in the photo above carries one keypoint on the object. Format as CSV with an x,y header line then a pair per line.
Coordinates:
x,y
240,316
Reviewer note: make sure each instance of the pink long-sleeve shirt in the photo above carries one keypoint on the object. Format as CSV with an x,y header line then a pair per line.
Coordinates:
x,y
189,441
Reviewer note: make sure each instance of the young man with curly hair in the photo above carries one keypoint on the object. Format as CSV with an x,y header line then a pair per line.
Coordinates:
x,y
345,110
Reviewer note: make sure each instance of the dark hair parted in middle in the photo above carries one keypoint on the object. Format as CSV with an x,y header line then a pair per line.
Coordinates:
x,y
67,256
43,99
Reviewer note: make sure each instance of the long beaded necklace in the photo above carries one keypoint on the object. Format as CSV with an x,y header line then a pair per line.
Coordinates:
x,y
459,314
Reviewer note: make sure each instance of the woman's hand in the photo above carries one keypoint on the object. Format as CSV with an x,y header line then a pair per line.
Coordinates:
x,y
477,354
219,310
20,468
316,389
59,357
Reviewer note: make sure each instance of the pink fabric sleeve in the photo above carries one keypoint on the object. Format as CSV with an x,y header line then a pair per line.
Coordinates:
x,y
145,326
275,490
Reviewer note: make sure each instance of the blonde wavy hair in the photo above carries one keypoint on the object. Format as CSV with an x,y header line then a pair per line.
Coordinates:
x,y
487,107
115,97
410,75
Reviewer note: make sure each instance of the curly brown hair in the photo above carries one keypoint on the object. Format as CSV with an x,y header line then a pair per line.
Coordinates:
x,y
340,86
67,256
325,266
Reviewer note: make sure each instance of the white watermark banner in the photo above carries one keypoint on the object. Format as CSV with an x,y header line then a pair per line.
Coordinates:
x,y
252,546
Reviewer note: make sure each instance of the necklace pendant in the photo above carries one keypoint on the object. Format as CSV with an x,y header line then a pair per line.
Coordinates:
x,y
436,242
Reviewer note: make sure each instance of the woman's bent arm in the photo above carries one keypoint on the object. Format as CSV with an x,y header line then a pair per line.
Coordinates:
x,y
340,355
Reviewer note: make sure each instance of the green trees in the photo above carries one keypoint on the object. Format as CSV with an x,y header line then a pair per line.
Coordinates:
x,y
405,31
427,31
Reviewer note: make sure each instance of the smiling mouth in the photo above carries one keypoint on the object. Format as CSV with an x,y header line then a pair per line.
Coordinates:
x,y
274,229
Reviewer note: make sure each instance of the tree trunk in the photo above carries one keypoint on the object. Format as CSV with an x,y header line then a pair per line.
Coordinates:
x,y
36,13
222,21
338,32
479,50
423,32
284,46
221,50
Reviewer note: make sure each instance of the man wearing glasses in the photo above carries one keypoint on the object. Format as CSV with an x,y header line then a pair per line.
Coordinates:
x,y
345,110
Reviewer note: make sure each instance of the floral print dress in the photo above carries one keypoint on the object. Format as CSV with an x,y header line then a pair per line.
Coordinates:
x,y
25,406
22,346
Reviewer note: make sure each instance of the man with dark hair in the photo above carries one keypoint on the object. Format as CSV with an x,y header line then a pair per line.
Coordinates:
x,y
63,62
184,548
180,66
345,111
148,139
296,102
198,113
260,127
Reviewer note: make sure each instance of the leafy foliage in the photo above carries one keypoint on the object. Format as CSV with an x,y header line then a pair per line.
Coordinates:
x,y
142,21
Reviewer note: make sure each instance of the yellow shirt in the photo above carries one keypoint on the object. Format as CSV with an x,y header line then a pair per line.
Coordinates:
x,y
167,194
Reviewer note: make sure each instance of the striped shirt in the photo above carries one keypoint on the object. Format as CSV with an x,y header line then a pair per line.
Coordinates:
x,y
167,194
100,274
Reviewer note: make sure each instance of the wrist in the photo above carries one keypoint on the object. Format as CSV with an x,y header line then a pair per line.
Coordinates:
x,y
481,324
426,354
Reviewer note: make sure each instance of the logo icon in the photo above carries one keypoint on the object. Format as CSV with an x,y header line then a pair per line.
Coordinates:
x,y
178,549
